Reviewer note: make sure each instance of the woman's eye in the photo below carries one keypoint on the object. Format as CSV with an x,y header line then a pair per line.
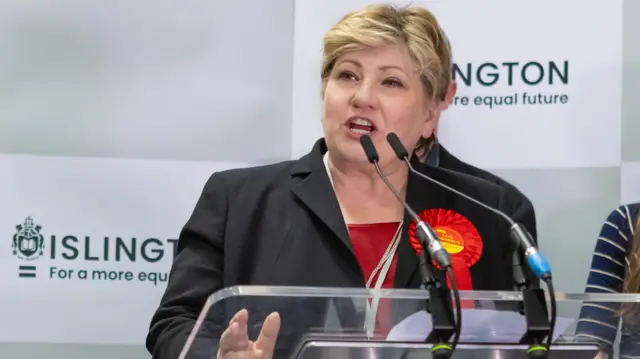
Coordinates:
x,y
392,83
347,75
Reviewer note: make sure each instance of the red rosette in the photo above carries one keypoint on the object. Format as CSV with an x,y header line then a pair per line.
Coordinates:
x,y
458,236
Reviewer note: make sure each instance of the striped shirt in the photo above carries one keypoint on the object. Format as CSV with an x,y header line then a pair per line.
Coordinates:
x,y
599,322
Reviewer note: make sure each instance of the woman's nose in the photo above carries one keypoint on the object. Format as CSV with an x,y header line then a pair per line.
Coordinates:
x,y
364,95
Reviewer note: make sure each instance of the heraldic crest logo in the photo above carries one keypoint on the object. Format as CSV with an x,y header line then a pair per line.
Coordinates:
x,y
28,242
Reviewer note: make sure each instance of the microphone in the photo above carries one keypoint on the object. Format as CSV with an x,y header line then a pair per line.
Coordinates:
x,y
427,236
422,229
537,262
538,324
439,302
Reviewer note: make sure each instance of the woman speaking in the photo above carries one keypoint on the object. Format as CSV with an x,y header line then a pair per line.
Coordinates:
x,y
327,219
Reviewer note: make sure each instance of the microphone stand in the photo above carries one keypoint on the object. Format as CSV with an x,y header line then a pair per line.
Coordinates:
x,y
534,309
439,306
439,303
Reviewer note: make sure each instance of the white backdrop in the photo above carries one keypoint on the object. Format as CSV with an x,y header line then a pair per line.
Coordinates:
x,y
112,119
107,199
482,134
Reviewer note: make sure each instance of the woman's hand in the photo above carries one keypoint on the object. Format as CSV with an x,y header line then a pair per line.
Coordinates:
x,y
235,343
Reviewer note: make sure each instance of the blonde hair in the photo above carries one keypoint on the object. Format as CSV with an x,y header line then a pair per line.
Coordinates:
x,y
383,24
631,311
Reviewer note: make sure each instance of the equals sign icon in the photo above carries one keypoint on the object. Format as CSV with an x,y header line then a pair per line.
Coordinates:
x,y
27,272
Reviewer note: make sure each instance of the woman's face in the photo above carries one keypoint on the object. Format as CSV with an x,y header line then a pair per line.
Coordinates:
x,y
375,91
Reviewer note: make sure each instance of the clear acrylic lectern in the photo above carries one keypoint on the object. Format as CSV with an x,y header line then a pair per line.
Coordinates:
x,y
323,323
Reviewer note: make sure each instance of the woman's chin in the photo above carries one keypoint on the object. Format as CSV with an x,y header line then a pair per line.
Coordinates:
x,y
347,143
351,152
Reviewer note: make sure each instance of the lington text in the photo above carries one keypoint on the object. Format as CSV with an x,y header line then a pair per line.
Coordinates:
x,y
107,275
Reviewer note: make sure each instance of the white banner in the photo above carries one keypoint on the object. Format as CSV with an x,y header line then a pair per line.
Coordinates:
x,y
533,92
87,244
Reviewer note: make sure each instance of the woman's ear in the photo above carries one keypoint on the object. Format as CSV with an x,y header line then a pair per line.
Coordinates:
x,y
431,120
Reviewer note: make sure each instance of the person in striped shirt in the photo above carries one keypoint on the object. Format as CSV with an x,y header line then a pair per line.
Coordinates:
x,y
615,268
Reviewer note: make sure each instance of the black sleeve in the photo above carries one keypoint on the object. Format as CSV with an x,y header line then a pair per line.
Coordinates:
x,y
521,210
196,273
524,216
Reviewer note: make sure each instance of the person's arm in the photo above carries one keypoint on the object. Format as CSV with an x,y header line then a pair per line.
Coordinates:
x,y
196,273
598,322
515,205
522,212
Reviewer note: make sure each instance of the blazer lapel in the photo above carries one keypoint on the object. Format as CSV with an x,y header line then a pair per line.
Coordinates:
x,y
421,195
313,188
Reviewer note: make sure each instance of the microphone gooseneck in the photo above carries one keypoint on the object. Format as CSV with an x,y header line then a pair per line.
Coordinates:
x,y
424,232
439,303
537,262
538,324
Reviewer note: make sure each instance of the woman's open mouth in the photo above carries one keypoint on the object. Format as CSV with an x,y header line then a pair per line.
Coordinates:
x,y
361,126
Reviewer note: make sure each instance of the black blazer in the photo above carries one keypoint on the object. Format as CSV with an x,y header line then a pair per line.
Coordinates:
x,y
518,207
280,224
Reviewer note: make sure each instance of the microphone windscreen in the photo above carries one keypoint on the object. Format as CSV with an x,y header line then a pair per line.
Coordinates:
x,y
397,146
369,148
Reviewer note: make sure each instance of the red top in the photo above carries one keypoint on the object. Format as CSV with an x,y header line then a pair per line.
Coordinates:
x,y
370,242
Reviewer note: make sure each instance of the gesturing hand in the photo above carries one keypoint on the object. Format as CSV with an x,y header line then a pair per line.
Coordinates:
x,y
235,343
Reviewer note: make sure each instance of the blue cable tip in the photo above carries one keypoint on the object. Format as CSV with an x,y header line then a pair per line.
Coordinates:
x,y
539,265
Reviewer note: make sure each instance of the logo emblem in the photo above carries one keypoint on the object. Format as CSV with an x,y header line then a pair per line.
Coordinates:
x,y
28,242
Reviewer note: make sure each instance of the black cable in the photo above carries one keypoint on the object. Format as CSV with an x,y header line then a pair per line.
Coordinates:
x,y
552,299
456,298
